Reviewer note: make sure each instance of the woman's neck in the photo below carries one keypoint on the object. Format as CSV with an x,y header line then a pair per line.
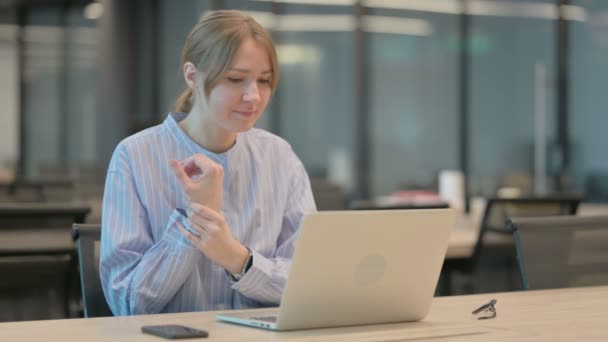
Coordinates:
x,y
207,134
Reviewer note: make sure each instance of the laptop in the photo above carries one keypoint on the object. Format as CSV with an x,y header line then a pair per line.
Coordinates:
x,y
359,267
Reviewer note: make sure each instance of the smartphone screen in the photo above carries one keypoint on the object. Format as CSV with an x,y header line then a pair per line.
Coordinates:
x,y
173,331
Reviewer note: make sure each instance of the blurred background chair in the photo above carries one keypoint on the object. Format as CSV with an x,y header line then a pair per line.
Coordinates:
x,y
492,265
328,196
37,190
596,186
38,275
87,237
558,252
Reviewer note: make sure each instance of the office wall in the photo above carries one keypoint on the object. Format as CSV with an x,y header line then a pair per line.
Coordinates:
x,y
411,87
60,89
175,24
82,89
9,98
42,110
504,55
589,100
316,101
413,100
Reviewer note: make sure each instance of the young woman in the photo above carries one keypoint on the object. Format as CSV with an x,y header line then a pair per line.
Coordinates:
x,y
201,212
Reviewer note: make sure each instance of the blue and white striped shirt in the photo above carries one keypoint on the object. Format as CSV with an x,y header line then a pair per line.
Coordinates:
x,y
148,266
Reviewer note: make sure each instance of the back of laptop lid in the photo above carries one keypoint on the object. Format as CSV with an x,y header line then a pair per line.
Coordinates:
x,y
365,267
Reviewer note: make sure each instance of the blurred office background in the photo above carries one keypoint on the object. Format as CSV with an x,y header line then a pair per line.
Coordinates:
x,y
375,96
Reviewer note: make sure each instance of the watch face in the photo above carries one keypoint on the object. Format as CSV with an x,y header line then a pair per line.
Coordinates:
x,y
246,267
248,263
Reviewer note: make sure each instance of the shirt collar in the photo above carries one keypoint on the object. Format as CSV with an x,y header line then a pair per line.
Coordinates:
x,y
172,122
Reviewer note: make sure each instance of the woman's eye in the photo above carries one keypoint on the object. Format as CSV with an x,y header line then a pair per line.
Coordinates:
x,y
234,80
264,81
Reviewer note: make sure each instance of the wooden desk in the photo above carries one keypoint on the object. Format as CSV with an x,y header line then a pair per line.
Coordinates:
x,y
592,209
566,315
463,237
461,243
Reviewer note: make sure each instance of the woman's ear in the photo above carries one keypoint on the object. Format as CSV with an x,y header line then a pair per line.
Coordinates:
x,y
191,75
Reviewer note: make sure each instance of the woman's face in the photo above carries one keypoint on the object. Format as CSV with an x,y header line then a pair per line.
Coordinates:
x,y
240,96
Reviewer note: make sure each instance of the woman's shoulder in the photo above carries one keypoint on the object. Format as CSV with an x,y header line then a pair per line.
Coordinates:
x,y
265,139
268,148
145,139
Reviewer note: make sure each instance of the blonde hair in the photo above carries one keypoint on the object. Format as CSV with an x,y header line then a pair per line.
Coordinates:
x,y
212,44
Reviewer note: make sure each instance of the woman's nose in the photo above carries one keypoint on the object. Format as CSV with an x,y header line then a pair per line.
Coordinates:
x,y
252,93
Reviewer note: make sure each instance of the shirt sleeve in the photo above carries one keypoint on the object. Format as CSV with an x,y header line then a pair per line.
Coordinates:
x,y
138,274
265,280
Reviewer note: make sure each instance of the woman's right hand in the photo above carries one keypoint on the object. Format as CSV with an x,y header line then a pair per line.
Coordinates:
x,y
202,180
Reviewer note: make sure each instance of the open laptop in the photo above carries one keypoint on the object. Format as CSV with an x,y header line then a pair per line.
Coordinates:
x,y
359,267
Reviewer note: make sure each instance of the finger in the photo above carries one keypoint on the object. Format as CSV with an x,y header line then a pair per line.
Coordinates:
x,y
198,240
205,212
191,237
179,172
197,228
200,222
205,164
190,168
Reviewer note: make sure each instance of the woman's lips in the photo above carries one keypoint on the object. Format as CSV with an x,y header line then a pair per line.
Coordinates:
x,y
246,113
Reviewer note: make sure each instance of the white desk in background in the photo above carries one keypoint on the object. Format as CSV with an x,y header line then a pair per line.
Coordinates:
x,y
465,233
577,314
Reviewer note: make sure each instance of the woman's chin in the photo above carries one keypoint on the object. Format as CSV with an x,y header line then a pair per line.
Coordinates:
x,y
244,124
242,127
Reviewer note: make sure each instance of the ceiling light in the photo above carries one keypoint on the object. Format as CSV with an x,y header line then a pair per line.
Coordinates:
x,y
93,11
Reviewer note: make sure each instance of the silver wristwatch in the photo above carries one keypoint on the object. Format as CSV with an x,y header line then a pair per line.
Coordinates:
x,y
246,266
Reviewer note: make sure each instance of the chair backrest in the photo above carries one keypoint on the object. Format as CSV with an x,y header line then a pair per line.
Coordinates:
x,y
328,196
596,187
37,252
37,190
87,237
567,251
499,210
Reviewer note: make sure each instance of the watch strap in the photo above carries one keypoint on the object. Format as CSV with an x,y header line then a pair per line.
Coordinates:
x,y
246,266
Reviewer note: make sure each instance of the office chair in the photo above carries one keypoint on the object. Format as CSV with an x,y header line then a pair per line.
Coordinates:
x,y
87,237
41,190
327,196
493,227
38,259
557,252
596,187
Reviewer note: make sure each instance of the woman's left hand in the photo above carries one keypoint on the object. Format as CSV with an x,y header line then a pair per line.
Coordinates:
x,y
216,240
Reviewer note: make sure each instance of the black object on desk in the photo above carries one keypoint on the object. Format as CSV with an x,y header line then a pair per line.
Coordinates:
x,y
173,331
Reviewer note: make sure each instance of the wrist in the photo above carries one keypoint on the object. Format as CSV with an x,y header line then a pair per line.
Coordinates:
x,y
239,259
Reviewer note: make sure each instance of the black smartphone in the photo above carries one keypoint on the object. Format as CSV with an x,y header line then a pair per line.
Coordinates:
x,y
173,331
